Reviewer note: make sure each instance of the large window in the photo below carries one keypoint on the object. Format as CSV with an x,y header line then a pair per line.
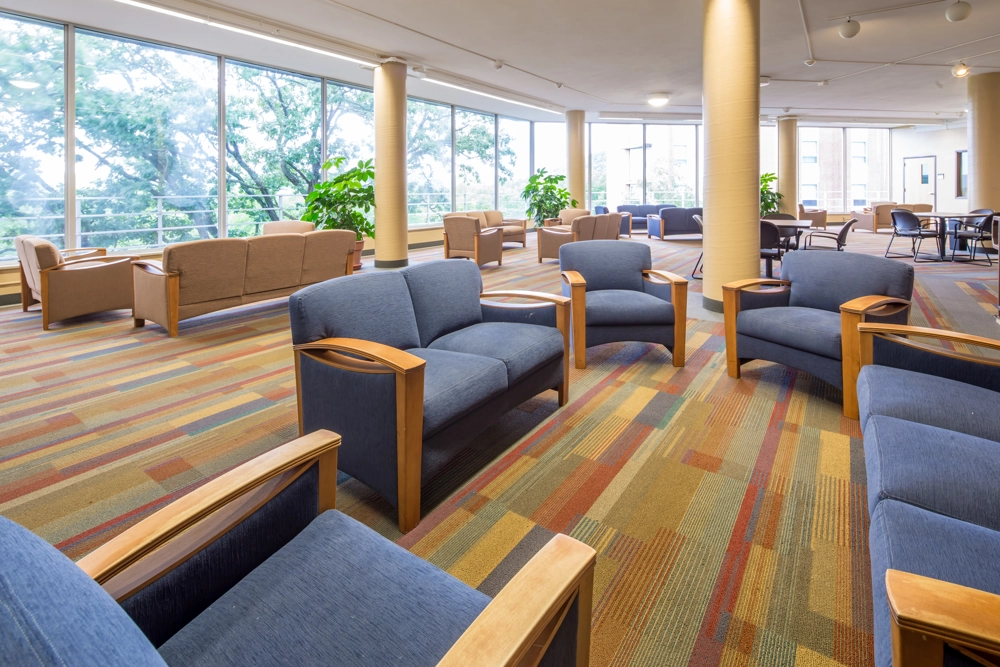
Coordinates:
x,y
550,148
868,170
671,165
769,149
428,161
515,164
350,119
273,142
146,143
821,168
962,182
475,146
616,164
32,128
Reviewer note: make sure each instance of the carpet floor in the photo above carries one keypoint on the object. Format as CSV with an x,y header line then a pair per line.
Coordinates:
x,y
729,516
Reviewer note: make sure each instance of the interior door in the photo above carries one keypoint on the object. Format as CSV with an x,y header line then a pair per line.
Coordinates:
x,y
920,180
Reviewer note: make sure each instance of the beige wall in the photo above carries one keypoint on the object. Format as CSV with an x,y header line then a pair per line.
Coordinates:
x,y
940,143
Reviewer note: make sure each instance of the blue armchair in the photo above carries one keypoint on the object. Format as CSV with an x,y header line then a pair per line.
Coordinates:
x,y
617,296
810,321
410,366
256,567
673,222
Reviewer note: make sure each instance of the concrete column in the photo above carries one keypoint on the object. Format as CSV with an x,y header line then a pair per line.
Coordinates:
x,y
731,103
788,164
576,156
984,138
391,248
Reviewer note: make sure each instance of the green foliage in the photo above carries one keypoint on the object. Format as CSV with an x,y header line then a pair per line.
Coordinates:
x,y
545,197
769,198
344,201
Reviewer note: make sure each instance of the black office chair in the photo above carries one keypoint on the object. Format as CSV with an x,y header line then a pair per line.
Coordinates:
x,y
840,238
779,216
974,231
698,267
770,245
908,226
792,241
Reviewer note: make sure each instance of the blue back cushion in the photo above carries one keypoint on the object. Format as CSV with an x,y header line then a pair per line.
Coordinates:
x,y
445,296
607,264
601,210
52,613
371,306
825,280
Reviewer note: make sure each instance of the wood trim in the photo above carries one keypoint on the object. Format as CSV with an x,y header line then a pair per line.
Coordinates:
x,y
740,285
149,266
665,276
679,297
578,300
113,259
297,355
924,347
153,532
475,249
585,595
852,314
43,291
563,320
879,329
556,299
517,626
409,445
730,310
96,252
173,303
398,360
349,269
447,248
27,299
867,304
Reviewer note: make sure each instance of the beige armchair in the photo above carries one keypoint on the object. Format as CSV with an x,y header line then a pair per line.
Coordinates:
x,y
817,216
74,282
515,230
583,228
875,216
465,237
288,227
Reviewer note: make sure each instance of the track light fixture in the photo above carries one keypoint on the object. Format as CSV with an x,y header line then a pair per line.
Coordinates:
x,y
849,28
960,70
958,11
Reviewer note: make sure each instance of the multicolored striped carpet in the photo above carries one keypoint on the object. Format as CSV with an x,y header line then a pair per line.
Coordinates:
x,y
729,516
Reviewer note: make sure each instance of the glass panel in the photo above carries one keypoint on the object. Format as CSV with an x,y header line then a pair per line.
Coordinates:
x,y
616,164
475,143
350,120
32,127
273,127
963,174
821,171
769,149
869,169
550,148
670,165
428,155
146,143
515,165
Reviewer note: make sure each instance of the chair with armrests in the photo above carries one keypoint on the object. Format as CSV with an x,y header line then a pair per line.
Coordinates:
x,y
771,246
810,321
905,224
69,283
464,237
624,220
874,217
976,231
840,238
583,228
616,295
288,227
817,216
258,567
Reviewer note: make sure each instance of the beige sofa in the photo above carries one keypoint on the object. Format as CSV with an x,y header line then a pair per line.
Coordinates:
x,y
465,237
69,283
287,227
201,277
515,230
879,215
583,228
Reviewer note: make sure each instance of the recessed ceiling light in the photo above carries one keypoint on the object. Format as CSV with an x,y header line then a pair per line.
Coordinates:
x,y
658,99
849,28
958,11
960,70
25,85
764,80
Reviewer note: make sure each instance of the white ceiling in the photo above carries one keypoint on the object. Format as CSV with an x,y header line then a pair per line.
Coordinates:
x,y
608,55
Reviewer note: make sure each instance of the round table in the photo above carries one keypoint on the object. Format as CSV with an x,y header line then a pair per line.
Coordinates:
x,y
942,226
787,229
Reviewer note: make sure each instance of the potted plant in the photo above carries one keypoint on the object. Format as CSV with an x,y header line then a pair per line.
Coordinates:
x,y
546,197
344,202
770,200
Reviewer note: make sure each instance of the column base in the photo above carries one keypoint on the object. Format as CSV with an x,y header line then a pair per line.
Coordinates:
x,y
395,264
711,304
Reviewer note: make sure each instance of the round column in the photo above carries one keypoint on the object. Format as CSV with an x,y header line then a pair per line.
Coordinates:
x,y
732,144
984,138
576,158
391,249
788,163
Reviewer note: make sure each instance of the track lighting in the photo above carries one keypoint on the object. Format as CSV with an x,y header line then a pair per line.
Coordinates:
x,y
498,65
960,70
764,80
658,99
958,11
849,28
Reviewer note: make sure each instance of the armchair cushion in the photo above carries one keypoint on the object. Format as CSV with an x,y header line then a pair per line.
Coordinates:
x,y
943,471
930,400
512,230
615,307
209,270
339,591
52,613
825,280
523,348
807,329
607,265
455,383
445,297
907,538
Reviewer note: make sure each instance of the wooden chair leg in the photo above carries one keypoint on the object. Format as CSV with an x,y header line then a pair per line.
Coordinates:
x,y
850,361
731,308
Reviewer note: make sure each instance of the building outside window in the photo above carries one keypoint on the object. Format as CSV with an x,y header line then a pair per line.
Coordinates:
x,y
615,164
515,164
809,151
810,194
769,151
822,166
550,148
671,165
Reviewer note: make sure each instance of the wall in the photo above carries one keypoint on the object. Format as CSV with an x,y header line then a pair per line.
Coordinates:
x,y
942,143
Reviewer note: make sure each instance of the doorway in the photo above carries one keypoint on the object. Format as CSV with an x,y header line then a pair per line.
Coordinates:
x,y
920,180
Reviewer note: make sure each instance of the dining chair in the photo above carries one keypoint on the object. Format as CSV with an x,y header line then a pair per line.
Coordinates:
x,y
770,245
698,267
905,224
975,231
840,238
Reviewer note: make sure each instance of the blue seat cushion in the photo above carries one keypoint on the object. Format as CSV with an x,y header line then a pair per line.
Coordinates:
x,y
616,307
445,297
52,613
911,539
455,383
806,329
928,399
522,348
338,593
943,471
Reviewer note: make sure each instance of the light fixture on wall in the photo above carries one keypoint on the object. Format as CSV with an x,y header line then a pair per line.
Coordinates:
x,y
960,70
958,11
658,99
849,28
764,80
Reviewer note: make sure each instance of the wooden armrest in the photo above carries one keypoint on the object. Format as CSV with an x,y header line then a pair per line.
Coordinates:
x,y
940,334
866,304
666,276
557,299
548,222
740,285
156,530
955,614
490,230
397,360
89,251
518,625
149,266
104,259
574,279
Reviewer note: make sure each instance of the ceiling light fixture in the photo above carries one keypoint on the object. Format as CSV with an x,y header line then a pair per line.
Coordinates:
x,y
658,99
960,70
958,11
810,62
494,97
24,85
498,65
849,28
764,80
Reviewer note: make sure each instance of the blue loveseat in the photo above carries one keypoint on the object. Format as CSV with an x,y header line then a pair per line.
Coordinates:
x,y
411,365
637,214
931,422
673,222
